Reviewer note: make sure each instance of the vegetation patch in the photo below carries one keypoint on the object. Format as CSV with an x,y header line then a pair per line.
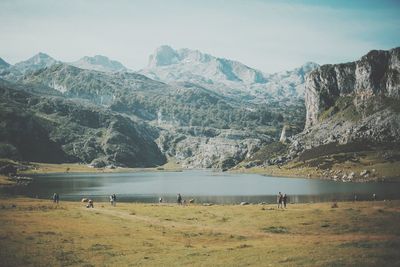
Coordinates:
x,y
372,244
276,230
99,247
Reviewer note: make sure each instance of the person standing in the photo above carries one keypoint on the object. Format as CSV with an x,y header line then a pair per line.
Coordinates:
x,y
114,197
279,200
56,198
284,200
179,199
111,200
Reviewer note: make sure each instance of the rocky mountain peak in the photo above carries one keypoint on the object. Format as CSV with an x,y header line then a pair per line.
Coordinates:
x,y
308,67
38,61
225,76
163,56
40,58
99,63
3,64
375,74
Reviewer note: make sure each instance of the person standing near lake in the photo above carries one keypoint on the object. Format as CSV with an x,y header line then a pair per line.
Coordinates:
x,y
56,198
179,199
284,200
114,198
111,200
279,199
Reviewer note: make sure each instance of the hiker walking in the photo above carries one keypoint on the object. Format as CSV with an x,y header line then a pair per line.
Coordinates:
x,y
279,199
284,200
179,199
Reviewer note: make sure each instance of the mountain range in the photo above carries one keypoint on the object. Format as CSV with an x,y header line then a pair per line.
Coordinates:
x,y
202,111
225,76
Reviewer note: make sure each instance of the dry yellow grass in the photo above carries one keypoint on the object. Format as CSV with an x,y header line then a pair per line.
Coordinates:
x,y
39,233
75,167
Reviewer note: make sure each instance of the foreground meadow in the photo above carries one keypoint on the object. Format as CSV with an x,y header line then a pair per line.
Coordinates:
x,y
40,233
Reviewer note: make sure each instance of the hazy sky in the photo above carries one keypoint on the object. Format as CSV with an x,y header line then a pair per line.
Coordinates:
x,y
268,35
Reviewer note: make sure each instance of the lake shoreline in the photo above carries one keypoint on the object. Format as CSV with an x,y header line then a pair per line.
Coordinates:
x,y
34,168
204,186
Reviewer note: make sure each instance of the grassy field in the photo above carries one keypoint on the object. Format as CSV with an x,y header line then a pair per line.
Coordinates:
x,y
39,233
37,168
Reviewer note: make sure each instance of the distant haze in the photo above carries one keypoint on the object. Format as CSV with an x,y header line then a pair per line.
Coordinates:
x,y
267,35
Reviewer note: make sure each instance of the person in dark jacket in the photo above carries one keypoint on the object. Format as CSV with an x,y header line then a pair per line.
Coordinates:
x,y
284,198
56,198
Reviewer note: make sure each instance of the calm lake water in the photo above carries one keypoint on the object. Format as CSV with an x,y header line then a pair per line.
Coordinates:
x,y
203,186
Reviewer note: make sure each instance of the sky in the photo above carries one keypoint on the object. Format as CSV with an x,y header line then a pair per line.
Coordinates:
x,y
270,36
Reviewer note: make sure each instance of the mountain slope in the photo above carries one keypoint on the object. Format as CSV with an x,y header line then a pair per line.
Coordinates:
x,y
176,110
225,76
353,120
3,64
99,63
38,61
53,129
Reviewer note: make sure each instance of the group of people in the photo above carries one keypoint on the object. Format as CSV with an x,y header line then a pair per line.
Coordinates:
x,y
281,200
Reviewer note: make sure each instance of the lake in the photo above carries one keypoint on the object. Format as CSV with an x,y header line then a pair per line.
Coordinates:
x,y
203,186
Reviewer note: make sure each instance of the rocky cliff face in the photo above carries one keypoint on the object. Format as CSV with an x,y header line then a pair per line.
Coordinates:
x,y
198,147
352,103
375,74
